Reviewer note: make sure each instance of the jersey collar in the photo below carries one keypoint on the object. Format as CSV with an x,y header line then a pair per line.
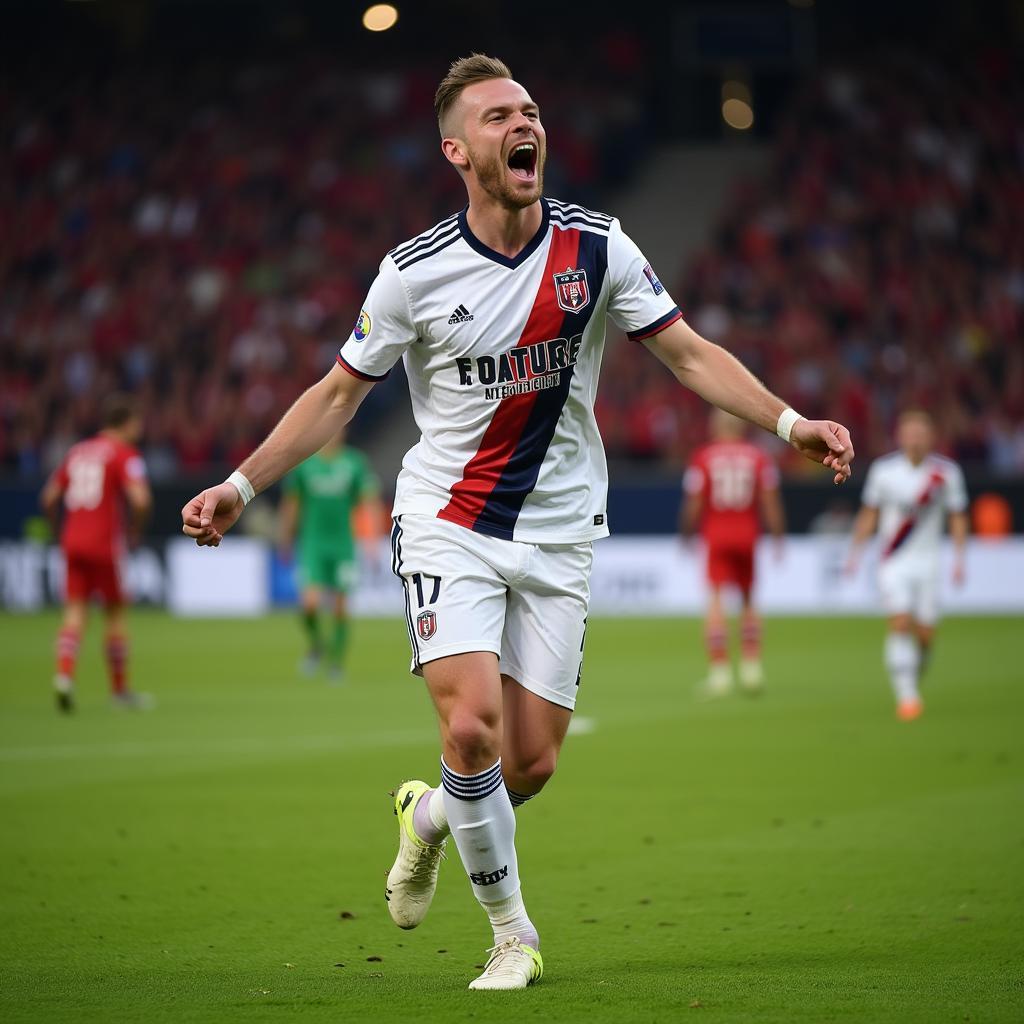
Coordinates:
x,y
485,250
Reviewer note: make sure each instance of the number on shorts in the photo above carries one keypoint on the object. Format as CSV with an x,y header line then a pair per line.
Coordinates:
x,y
85,483
417,579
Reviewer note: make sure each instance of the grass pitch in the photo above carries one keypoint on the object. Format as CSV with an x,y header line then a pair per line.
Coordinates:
x,y
798,857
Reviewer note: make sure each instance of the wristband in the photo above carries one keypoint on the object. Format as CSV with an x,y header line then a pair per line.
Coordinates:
x,y
245,489
785,425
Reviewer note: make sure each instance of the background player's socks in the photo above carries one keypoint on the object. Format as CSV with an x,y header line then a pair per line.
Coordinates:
x,y
518,799
750,637
311,624
484,827
716,641
429,817
68,641
117,664
902,660
339,642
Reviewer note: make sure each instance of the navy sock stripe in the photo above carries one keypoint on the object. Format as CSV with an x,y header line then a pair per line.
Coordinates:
x,y
471,787
470,783
518,799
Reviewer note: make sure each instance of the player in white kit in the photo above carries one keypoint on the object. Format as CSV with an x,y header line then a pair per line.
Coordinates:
x,y
908,495
499,313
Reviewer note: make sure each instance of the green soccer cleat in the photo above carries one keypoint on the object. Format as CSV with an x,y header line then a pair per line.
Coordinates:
x,y
413,877
512,965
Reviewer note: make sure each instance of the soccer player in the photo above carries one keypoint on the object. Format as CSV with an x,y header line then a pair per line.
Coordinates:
x,y
320,497
730,485
499,313
907,496
97,478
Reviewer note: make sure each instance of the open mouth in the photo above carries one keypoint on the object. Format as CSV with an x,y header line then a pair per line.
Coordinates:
x,y
522,161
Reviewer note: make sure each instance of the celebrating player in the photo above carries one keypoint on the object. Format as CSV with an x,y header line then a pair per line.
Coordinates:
x,y
97,477
320,497
907,495
499,313
730,485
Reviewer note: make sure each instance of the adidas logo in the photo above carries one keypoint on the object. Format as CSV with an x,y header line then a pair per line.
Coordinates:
x,y
460,316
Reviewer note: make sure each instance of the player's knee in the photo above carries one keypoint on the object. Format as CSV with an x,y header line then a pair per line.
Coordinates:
x,y
473,740
531,774
900,623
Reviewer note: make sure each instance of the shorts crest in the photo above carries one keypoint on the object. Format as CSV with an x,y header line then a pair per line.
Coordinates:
x,y
426,624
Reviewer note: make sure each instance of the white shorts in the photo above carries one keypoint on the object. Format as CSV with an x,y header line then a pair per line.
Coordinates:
x,y
527,603
910,589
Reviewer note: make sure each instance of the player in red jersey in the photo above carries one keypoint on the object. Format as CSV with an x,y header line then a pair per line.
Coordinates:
x,y
97,478
731,486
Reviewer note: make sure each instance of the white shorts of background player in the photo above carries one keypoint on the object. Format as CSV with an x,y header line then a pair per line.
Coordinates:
x,y
910,586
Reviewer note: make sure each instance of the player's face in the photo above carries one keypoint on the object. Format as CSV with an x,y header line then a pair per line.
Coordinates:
x,y
915,438
133,430
505,142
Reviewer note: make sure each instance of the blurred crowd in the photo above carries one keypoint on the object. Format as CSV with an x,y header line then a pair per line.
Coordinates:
x,y
206,245
878,265
203,236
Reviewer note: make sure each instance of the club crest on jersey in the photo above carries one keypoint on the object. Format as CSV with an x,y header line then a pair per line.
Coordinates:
x,y
362,327
571,290
426,624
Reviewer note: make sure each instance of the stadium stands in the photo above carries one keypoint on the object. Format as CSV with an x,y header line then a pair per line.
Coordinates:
x,y
879,264
208,246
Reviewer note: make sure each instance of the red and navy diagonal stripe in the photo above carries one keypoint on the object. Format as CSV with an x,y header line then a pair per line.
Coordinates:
x,y
934,482
498,479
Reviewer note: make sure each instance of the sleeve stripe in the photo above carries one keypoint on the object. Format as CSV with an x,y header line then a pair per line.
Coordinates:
x,y
659,325
345,364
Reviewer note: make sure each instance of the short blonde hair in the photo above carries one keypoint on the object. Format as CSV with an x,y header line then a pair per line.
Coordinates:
x,y
477,67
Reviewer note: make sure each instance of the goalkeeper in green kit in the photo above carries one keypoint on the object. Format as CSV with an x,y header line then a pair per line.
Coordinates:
x,y
320,498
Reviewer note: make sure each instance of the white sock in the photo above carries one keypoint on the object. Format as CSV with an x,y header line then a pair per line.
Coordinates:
x,y
483,825
437,812
429,820
902,659
509,917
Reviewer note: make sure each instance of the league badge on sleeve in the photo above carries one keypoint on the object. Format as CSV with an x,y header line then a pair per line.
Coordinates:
x,y
571,290
652,277
362,327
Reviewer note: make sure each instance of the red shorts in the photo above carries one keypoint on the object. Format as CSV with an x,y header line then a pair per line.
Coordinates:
x,y
731,564
88,576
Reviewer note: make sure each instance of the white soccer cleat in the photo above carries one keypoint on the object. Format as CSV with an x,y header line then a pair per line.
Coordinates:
x,y
132,700
718,682
751,676
413,877
512,965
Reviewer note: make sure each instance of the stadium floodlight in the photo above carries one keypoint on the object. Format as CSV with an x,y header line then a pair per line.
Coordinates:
x,y
737,105
380,17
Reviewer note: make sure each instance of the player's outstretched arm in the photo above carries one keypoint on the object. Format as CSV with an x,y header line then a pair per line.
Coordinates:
x,y
721,379
317,415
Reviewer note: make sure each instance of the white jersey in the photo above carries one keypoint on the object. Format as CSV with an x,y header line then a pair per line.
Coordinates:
x,y
912,503
503,357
